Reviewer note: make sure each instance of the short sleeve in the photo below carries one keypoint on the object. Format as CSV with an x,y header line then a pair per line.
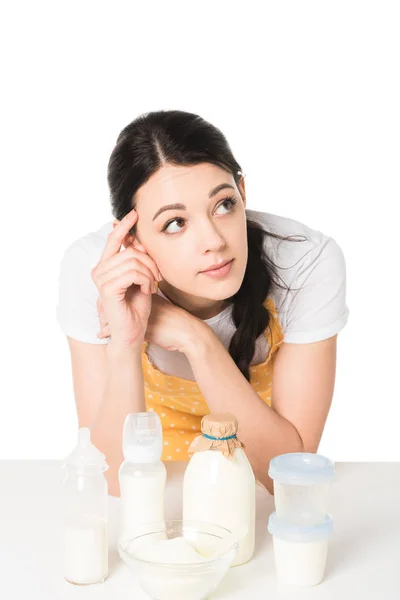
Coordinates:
x,y
76,310
318,307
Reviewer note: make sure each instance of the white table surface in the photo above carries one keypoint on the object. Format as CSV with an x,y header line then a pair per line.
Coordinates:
x,y
363,559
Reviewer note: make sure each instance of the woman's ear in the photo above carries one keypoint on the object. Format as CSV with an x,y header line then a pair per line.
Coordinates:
x,y
242,190
128,240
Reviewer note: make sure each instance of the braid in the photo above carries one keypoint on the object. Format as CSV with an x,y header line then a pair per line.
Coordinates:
x,y
249,314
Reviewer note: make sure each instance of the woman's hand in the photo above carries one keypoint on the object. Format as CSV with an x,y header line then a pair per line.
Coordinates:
x,y
125,281
169,326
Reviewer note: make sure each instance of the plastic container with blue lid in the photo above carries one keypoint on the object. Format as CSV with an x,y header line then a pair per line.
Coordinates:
x,y
301,468
300,533
300,552
302,482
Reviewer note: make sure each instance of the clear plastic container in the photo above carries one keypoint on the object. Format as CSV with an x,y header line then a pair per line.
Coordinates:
x,y
142,475
85,514
302,483
300,552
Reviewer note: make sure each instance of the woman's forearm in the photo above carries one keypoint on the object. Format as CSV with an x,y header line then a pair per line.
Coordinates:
x,y
264,432
124,394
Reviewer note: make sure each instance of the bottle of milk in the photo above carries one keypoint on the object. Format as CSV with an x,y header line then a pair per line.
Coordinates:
x,y
142,475
219,483
85,500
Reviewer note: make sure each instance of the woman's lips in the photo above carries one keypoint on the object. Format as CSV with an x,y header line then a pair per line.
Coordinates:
x,y
221,272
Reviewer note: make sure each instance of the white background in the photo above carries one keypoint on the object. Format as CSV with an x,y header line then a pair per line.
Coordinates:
x,y
307,94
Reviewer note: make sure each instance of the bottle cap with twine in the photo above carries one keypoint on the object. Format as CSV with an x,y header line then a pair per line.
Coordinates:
x,y
219,432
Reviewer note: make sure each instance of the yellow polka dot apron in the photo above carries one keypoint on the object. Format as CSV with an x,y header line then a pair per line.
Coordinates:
x,y
180,404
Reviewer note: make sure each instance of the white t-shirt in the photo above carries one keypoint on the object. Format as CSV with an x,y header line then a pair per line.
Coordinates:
x,y
313,309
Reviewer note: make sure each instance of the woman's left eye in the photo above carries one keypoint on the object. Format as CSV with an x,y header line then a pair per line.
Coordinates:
x,y
230,201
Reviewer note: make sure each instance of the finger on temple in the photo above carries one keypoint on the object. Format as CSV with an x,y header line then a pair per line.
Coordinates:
x,y
116,237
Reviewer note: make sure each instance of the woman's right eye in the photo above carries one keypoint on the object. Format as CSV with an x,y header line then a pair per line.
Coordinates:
x,y
166,230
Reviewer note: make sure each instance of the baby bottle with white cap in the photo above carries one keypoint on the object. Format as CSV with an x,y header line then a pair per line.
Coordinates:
x,y
85,500
142,475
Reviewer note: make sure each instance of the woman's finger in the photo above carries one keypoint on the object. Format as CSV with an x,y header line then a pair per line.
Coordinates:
x,y
104,332
140,247
101,313
141,253
133,264
122,257
115,238
116,287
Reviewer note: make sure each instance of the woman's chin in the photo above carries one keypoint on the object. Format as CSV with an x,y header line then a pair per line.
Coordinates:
x,y
222,291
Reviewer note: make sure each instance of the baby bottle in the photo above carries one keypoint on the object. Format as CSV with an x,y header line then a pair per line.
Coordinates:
x,y
142,475
85,496
219,483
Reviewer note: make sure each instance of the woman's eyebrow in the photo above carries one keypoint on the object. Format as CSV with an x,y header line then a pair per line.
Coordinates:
x,y
179,206
219,187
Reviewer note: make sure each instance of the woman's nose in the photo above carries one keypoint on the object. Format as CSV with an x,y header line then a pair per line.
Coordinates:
x,y
211,239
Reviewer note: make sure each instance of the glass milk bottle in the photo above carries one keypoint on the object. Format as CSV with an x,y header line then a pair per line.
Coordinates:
x,y
85,499
142,475
219,483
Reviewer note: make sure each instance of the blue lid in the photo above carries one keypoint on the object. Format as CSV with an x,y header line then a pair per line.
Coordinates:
x,y
300,533
301,468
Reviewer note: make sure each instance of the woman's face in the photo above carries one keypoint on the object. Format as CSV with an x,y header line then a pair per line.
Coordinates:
x,y
209,227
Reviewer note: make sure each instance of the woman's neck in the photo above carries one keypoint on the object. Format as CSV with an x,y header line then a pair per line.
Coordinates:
x,y
201,308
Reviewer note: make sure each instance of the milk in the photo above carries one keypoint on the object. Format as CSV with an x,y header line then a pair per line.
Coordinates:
x,y
300,563
142,496
180,573
300,550
85,550
167,583
85,513
176,551
222,491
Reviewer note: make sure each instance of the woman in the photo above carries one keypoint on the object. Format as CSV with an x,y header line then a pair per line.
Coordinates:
x,y
190,303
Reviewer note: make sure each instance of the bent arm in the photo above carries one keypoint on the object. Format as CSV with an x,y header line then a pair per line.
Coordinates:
x,y
108,385
303,385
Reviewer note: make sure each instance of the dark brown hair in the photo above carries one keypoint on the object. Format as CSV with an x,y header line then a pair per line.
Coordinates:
x,y
182,138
